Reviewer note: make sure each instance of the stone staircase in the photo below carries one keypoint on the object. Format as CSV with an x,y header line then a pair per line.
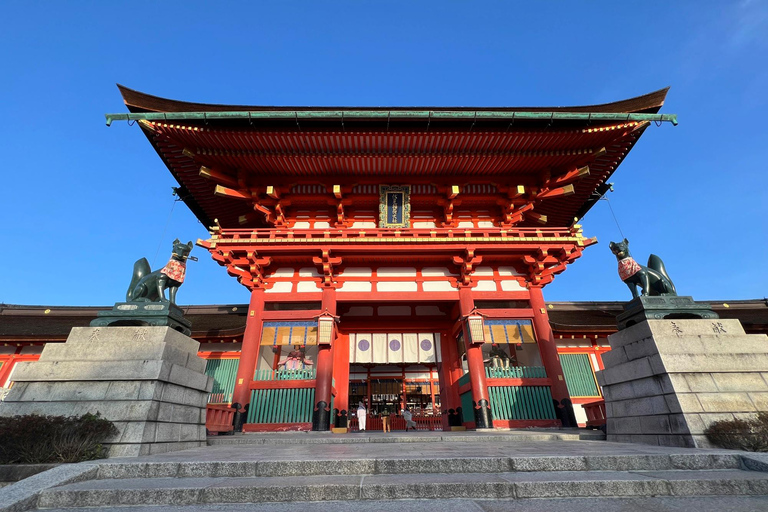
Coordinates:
x,y
513,480
522,471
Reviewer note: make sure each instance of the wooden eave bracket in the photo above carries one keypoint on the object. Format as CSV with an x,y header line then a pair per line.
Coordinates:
x,y
326,263
248,269
467,265
448,202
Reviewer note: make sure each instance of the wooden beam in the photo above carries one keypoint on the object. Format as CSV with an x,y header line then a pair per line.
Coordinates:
x,y
231,193
570,176
556,192
517,191
219,177
541,219
337,191
273,192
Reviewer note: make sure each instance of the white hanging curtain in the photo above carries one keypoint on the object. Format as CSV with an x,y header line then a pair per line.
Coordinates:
x,y
393,348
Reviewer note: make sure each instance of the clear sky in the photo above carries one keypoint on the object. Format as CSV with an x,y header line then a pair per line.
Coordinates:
x,y
81,202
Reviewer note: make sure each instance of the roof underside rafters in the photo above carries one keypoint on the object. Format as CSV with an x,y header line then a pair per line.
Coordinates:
x,y
448,146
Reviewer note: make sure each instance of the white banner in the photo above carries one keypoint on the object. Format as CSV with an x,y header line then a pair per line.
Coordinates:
x,y
394,348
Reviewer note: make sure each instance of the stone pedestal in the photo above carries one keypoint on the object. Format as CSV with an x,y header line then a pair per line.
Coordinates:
x,y
149,381
665,381
155,314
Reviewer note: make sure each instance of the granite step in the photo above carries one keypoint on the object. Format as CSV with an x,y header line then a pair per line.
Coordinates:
x,y
625,504
523,435
415,465
502,485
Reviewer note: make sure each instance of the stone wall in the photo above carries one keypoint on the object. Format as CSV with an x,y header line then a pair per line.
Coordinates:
x,y
149,381
665,381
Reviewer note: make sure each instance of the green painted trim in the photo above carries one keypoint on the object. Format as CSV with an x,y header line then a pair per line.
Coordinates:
x,y
579,376
224,373
281,405
467,408
521,402
394,114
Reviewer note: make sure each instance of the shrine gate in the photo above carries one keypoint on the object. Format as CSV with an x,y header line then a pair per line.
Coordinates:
x,y
395,256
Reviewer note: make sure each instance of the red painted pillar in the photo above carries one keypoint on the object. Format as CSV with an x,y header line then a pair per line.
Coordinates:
x,y
341,372
449,396
549,357
250,351
321,416
480,399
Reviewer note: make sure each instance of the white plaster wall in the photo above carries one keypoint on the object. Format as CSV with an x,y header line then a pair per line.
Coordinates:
x,y
423,224
363,225
355,286
508,271
511,286
436,272
396,286
438,286
301,225
308,272
396,272
578,411
284,272
484,271
281,287
485,286
357,272
307,287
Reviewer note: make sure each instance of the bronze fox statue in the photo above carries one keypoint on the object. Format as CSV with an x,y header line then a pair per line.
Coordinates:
x,y
148,286
653,279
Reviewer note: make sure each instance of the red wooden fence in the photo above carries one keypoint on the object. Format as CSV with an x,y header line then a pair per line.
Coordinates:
x,y
218,418
595,413
398,423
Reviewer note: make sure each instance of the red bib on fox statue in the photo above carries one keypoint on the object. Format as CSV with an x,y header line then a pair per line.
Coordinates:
x,y
175,270
627,268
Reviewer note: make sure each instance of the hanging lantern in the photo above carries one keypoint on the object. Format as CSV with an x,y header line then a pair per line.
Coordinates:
x,y
325,330
475,328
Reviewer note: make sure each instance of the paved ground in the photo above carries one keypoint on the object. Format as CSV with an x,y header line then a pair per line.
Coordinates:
x,y
291,446
662,504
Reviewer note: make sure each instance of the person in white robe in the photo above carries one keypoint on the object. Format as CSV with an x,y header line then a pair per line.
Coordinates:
x,y
361,413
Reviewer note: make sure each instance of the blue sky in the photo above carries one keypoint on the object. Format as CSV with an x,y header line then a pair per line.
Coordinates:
x,y
81,202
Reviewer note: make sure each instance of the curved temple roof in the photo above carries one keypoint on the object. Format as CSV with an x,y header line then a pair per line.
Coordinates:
x,y
141,102
504,146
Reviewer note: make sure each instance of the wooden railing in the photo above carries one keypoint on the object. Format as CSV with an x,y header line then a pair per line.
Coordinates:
x,y
595,412
218,418
304,374
423,423
516,372
492,234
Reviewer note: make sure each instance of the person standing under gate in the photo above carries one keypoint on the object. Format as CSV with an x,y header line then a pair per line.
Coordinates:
x,y
361,412
385,421
408,417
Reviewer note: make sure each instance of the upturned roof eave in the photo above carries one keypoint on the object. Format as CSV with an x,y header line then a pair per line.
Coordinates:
x,y
137,101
